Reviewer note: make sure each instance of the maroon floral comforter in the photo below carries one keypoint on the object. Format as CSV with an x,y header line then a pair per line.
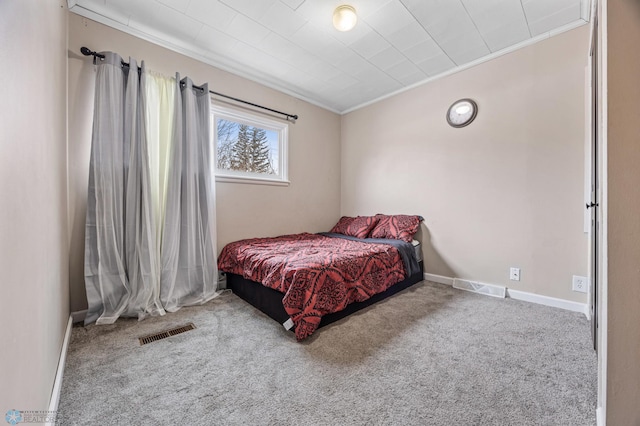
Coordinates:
x,y
317,274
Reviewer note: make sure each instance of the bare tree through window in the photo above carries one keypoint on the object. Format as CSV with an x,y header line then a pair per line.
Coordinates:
x,y
246,148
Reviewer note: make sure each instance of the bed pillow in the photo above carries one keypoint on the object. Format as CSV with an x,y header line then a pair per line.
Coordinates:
x,y
397,227
358,227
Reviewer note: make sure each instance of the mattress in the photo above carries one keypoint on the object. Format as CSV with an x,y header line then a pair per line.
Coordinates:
x,y
318,274
417,247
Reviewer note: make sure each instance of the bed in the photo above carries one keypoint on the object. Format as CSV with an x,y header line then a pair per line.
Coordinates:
x,y
306,281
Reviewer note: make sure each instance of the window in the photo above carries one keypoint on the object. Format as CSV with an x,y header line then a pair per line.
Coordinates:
x,y
249,148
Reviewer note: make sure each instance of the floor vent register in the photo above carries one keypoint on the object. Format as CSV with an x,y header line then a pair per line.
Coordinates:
x,y
164,334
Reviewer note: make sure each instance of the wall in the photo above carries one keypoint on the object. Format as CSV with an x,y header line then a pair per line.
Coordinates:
x,y
505,191
312,201
623,205
33,190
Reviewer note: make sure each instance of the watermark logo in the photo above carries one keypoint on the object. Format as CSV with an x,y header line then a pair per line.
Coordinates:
x,y
13,417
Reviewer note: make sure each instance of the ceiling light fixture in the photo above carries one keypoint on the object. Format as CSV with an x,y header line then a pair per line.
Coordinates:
x,y
344,18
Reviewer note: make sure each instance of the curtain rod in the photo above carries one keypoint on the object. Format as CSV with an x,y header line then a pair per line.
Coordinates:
x,y
88,52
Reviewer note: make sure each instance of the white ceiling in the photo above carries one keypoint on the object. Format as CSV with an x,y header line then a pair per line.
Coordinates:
x,y
291,45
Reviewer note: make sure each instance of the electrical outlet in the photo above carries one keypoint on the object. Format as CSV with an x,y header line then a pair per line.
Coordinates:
x,y
579,284
514,274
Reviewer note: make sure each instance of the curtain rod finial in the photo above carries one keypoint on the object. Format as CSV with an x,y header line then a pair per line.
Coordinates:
x,y
85,51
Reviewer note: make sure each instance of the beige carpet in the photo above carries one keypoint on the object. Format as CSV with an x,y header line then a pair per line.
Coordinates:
x,y
431,355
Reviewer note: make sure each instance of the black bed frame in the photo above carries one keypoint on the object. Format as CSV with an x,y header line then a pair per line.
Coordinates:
x,y
269,300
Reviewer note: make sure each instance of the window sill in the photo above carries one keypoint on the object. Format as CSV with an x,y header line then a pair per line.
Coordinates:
x,y
251,180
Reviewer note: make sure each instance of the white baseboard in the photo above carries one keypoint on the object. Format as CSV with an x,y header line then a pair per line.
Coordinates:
x,y
79,316
438,279
548,301
57,384
524,296
599,417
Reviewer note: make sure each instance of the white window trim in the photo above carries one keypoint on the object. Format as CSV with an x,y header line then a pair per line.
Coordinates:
x,y
253,120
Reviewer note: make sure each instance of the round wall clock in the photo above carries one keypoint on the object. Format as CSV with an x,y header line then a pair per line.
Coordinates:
x,y
462,113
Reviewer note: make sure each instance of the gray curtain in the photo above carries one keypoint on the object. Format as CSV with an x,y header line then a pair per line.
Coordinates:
x,y
189,270
125,263
120,262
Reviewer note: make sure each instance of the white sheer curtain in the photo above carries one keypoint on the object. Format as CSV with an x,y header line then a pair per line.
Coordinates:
x,y
160,92
150,208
